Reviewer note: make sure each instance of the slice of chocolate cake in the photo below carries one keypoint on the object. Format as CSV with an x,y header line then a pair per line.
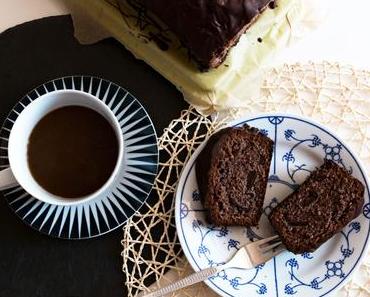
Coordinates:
x,y
322,206
208,28
232,172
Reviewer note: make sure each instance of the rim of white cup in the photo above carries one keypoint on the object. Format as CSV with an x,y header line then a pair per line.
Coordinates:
x,y
59,200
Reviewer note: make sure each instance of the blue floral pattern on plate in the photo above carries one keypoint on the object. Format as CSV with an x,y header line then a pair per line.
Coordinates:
x,y
300,147
333,268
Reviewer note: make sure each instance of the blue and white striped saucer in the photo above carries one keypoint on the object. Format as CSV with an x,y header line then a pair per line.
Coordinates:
x,y
128,192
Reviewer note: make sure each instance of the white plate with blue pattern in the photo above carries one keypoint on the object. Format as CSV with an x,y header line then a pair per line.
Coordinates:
x,y
129,190
300,146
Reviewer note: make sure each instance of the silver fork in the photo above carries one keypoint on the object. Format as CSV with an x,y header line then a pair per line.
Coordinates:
x,y
247,257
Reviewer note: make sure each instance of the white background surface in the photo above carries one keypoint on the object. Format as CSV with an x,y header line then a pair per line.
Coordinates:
x,y
343,37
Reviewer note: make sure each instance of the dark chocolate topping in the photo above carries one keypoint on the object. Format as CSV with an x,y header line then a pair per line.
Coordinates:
x,y
208,28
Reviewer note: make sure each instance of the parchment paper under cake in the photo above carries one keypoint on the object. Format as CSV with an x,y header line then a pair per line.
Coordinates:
x,y
237,78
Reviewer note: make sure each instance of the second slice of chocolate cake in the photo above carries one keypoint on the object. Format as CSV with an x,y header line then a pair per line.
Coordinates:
x,y
232,172
322,206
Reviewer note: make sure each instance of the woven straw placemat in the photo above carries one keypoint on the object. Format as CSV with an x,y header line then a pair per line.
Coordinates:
x,y
335,95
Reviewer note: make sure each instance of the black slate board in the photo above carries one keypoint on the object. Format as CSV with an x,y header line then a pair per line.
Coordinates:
x,y
32,264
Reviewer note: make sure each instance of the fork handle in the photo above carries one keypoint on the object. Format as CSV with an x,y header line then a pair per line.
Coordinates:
x,y
185,282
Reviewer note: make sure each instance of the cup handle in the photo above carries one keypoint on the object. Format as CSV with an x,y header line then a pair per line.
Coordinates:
x,y
7,179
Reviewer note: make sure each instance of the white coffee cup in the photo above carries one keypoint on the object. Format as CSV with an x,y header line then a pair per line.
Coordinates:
x,y
19,171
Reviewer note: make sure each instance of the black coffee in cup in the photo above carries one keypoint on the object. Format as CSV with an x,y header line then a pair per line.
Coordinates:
x,y
72,151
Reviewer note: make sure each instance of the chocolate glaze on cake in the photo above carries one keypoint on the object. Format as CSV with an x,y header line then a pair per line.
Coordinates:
x,y
322,206
232,172
208,28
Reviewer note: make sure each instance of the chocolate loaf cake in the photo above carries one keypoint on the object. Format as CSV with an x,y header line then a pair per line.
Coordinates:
x,y
325,203
208,28
232,172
